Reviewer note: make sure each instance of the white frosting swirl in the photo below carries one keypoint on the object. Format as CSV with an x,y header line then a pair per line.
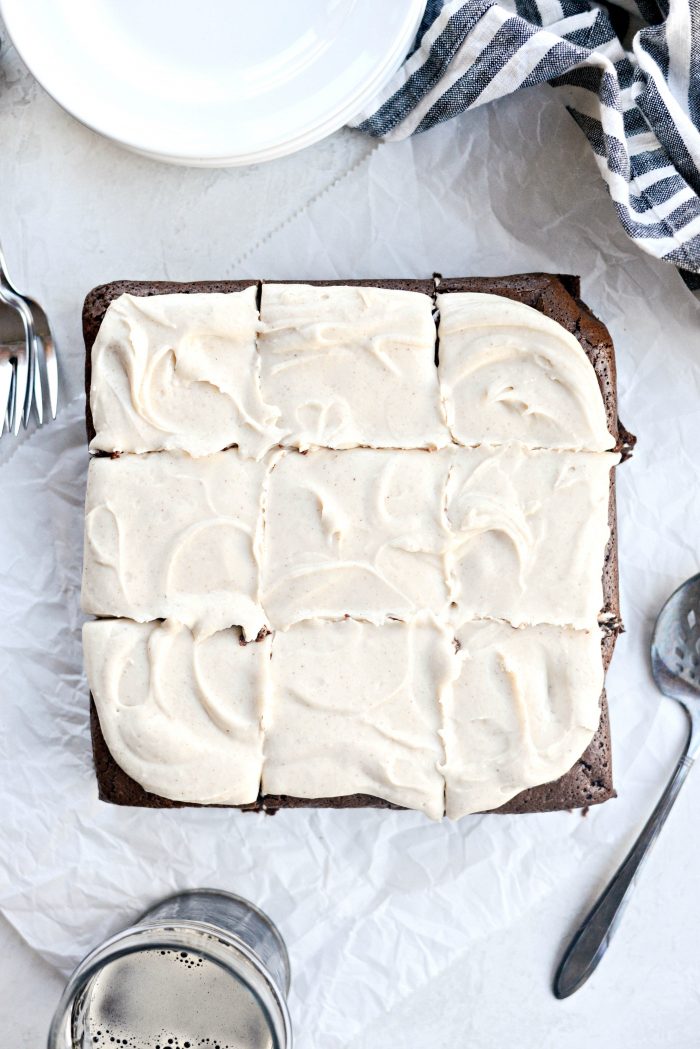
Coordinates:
x,y
525,707
168,536
180,372
509,373
351,366
354,709
360,533
528,534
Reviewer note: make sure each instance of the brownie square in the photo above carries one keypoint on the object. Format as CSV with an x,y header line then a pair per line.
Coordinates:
x,y
354,711
351,366
313,565
168,536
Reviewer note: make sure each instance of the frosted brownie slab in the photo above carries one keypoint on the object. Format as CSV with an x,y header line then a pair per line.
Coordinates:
x,y
589,780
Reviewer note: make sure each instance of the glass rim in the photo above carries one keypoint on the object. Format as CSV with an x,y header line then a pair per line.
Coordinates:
x,y
145,918
209,941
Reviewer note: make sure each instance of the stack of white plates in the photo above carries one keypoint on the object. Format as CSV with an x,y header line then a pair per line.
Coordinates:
x,y
212,82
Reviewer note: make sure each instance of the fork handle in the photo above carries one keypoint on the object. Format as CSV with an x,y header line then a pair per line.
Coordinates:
x,y
593,936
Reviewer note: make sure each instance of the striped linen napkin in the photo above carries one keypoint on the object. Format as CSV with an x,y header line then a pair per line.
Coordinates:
x,y
629,77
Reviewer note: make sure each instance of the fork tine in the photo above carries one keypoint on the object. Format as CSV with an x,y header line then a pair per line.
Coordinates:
x,y
51,367
31,376
38,392
6,371
20,397
10,413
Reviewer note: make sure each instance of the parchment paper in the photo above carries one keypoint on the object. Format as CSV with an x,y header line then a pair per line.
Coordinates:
x,y
373,905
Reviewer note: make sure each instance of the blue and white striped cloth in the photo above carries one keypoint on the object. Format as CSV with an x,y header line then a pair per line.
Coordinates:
x,y
637,102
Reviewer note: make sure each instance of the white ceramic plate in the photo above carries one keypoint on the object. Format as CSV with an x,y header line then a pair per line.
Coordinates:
x,y
212,82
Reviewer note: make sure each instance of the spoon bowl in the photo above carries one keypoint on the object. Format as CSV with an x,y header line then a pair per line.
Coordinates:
x,y
675,647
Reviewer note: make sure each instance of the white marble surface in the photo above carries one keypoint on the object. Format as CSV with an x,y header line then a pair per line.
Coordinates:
x,y
75,210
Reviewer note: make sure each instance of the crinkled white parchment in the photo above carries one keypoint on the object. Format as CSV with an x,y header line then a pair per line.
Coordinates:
x,y
373,905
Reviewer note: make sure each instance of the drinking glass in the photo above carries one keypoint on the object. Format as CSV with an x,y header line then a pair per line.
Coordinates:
x,y
200,970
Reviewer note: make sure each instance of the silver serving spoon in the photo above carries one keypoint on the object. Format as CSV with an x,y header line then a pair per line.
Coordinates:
x,y
675,664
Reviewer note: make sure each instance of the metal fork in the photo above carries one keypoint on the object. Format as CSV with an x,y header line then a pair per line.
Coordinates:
x,y
27,364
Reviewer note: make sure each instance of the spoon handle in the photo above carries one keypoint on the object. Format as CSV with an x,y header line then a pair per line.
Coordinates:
x,y
595,932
